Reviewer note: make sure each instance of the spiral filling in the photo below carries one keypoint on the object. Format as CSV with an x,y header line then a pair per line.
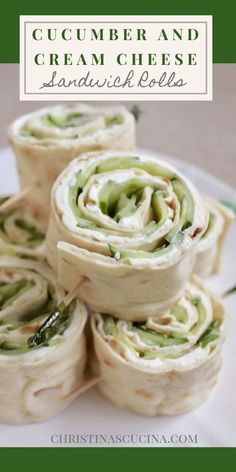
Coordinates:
x,y
215,226
187,329
65,123
27,299
141,208
18,229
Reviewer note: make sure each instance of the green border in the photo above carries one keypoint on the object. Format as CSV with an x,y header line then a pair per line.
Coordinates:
x,y
223,12
224,52
113,459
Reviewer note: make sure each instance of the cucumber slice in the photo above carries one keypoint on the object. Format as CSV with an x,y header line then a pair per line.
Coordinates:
x,y
109,326
8,290
211,333
159,208
10,346
201,313
114,120
125,206
155,169
76,189
152,337
53,120
108,196
112,195
34,233
116,163
134,162
179,313
21,287
25,132
211,223
66,121
182,192
118,253
183,218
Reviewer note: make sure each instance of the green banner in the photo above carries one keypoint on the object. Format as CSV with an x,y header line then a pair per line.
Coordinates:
x,y
224,50
106,459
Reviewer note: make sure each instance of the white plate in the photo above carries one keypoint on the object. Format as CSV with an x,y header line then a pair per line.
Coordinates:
x,y
214,422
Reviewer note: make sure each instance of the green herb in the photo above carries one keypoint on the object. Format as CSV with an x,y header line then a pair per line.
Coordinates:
x,y
230,291
9,292
3,199
55,324
115,120
136,111
211,333
35,235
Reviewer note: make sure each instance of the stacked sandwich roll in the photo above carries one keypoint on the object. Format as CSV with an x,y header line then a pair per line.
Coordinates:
x,y
211,244
46,140
137,239
164,365
129,224
19,233
134,229
41,360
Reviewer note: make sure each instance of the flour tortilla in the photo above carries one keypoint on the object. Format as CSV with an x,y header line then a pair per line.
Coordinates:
x,y
42,158
159,387
210,247
39,383
132,287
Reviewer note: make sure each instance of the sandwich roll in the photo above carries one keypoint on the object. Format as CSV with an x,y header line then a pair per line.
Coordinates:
x,y
46,140
129,223
211,244
166,365
19,233
41,362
